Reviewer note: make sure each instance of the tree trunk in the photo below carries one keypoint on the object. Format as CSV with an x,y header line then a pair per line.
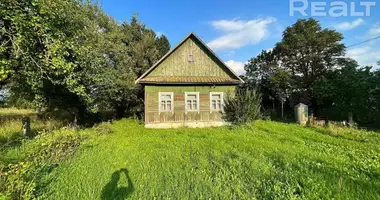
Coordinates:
x,y
350,119
26,131
282,109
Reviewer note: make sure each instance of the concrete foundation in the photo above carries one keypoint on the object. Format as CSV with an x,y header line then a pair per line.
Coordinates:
x,y
186,124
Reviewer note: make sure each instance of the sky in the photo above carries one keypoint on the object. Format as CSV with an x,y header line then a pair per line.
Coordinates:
x,y
238,30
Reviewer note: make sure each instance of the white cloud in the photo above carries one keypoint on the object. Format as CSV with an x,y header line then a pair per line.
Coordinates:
x,y
365,56
238,33
375,30
349,25
238,67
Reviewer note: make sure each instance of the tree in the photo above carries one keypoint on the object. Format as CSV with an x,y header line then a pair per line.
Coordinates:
x,y
308,52
304,55
69,55
163,45
281,82
349,90
45,47
258,71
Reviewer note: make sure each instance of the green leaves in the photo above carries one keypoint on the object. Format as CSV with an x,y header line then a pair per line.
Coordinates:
x,y
70,55
243,107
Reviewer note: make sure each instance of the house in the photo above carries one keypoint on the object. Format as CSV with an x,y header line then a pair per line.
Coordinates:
x,y
186,87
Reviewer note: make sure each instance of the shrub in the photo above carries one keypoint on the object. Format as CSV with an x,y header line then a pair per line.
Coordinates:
x,y
243,107
104,128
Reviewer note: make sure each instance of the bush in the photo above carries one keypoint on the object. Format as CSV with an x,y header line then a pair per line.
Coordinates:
x,y
104,128
242,108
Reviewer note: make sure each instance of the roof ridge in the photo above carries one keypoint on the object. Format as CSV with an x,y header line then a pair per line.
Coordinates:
x,y
177,46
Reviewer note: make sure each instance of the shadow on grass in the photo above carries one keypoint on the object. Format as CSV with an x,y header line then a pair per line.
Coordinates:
x,y
112,191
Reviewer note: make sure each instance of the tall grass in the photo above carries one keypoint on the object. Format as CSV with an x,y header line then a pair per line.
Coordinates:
x,y
267,160
10,125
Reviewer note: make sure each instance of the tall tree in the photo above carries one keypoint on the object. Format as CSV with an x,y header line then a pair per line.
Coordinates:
x,y
163,45
309,51
282,84
70,55
258,71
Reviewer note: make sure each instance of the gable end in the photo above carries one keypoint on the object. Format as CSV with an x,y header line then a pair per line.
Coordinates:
x,y
175,66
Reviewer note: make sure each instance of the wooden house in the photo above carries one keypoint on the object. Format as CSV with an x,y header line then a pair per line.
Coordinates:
x,y
186,87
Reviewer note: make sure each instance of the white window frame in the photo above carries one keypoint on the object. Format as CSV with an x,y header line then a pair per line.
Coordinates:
x,y
159,102
222,102
197,97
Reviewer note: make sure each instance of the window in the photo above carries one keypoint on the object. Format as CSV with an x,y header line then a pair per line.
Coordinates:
x,y
192,101
190,58
165,102
216,101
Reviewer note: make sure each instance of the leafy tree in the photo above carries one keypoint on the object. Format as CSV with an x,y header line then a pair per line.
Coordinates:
x,y
258,71
163,45
69,55
304,55
281,82
45,45
349,90
308,52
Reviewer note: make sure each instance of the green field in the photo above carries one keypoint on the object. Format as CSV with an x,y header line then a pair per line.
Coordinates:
x,y
267,160
271,160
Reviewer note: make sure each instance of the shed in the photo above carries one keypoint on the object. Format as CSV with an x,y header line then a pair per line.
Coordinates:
x,y
187,86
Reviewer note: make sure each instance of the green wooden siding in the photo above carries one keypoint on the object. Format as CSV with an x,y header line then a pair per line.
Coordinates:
x,y
152,114
177,63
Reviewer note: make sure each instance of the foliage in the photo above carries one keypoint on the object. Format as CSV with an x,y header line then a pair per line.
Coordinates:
x,y
10,125
21,180
268,160
163,45
350,89
307,66
282,83
305,53
104,128
243,107
308,51
70,55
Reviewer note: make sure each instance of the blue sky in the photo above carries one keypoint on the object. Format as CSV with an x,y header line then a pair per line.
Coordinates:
x,y
238,30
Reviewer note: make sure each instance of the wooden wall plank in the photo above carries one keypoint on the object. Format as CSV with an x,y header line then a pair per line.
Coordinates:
x,y
179,115
177,63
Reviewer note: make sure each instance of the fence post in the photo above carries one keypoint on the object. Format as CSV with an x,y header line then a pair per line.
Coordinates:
x,y
26,127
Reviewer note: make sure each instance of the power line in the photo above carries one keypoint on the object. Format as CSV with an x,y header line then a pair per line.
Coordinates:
x,y
375,38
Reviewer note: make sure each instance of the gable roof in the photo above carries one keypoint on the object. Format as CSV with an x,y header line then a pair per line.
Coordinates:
x,y
190,79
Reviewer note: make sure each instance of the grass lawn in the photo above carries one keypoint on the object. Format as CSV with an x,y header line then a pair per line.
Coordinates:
x,y
268,161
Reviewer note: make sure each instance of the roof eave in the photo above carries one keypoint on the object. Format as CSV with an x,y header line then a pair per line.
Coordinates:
x,y
189,83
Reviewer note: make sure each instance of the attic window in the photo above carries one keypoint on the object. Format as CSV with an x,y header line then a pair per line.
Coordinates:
x,y
190,58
